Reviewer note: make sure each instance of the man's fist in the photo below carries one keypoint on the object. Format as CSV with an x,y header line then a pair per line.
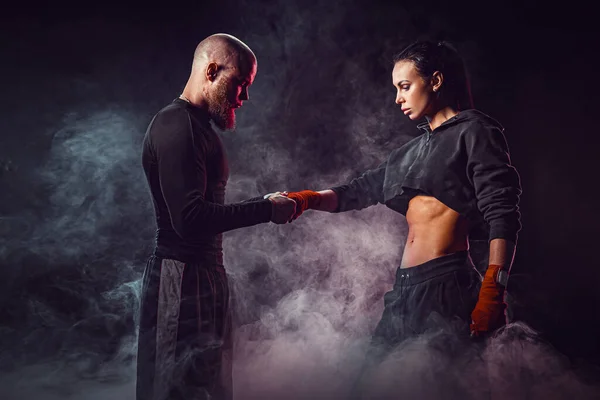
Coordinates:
x,y
305,200
488,314
283,209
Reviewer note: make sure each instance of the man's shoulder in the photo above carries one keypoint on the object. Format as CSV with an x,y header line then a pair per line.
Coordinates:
x,y
170,122
173,119
171,112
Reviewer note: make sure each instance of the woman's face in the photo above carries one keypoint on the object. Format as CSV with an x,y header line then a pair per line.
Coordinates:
x,y
414,95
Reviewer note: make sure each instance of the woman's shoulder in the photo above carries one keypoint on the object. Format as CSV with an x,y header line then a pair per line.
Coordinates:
x,y
476,118
479,129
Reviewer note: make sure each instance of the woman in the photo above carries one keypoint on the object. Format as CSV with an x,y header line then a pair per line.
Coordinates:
x,y
453,179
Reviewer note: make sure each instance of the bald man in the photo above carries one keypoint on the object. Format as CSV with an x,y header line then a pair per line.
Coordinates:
x,y
184,347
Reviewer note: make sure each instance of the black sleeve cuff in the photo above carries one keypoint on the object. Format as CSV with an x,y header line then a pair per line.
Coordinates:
x,y
262,209
254,199
503,230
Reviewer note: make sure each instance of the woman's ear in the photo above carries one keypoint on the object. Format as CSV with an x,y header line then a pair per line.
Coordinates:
x,y
437,79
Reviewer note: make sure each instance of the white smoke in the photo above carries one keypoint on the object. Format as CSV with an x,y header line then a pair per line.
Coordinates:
x,y
307,295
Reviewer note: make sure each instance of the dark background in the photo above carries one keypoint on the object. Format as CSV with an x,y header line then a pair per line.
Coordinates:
x,y
80,85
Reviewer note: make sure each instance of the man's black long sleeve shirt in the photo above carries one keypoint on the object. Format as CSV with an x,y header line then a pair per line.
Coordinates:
x,y
186,167
464,163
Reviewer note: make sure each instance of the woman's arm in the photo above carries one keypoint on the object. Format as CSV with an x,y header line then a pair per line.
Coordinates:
x,y
488,314
497,190
329,201
502,252
359,193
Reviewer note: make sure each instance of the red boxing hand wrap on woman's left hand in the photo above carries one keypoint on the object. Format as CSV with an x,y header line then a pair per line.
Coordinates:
x,y
488,314
305,200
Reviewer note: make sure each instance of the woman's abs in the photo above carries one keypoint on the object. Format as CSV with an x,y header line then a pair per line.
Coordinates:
x,y
434,230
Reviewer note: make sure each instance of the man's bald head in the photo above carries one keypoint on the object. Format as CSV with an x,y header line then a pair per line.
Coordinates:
x,y
225,50
224,67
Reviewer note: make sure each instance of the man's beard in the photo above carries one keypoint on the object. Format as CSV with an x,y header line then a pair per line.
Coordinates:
x,y
220,109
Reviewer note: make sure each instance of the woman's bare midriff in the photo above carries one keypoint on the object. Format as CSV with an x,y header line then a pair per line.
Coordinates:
x,y
434,230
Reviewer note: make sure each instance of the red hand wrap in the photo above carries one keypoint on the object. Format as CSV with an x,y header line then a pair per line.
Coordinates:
x,y
305,200
488,314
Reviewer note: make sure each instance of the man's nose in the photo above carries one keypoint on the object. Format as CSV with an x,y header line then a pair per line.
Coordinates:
x,y
244,95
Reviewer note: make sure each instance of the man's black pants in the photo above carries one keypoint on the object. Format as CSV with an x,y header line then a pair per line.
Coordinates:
x,y
184,345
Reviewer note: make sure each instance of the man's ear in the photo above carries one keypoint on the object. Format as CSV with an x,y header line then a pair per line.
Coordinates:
x,y
437,79
211,71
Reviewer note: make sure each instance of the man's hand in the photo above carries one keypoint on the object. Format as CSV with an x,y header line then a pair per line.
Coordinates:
x,y
268,196
283,208
488,314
